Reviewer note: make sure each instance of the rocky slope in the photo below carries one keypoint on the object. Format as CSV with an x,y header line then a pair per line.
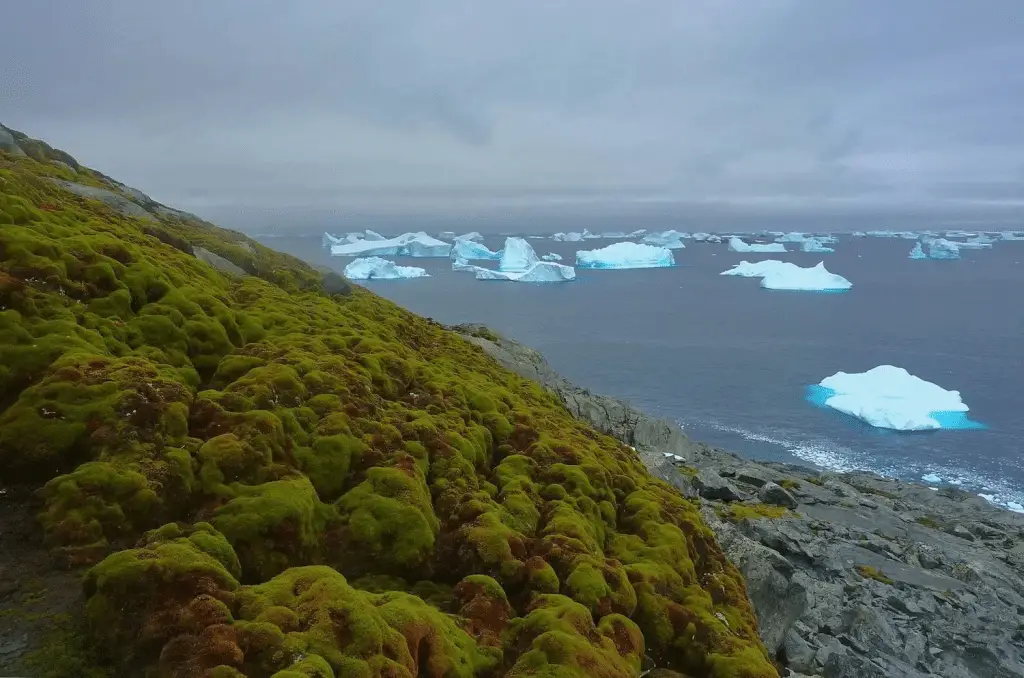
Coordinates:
x,y
851,575
217,462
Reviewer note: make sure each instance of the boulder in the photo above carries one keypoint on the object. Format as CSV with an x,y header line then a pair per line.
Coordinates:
x,y
776,495
753,475
710,485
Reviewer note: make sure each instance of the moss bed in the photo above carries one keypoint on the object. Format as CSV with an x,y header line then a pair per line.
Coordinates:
x,y
258,476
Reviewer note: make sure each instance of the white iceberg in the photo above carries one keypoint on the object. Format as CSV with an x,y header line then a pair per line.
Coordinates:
x,y
539,272
470,249
783,275
587,235
931,478
706,237
960,234
671,239
375,268
979,242
940,248
517,255
858,234
1011,235
815,245
459,264
625,255
567,237
797,237
408,244
892,398
737,245
552,256
472,235
918,252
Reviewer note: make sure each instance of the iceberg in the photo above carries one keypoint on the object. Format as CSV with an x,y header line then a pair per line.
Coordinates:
x,y
539,272
940,248
859,234
567,237
472,235
673,240
1011,235
470,249
737,245
706,237
375,268
517,255
797,237
890,397
552,257
783,275
409,244
625,255
459,264
815,245
918,252
976,243
931,478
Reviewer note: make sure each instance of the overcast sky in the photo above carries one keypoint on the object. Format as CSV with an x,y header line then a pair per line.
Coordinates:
x,y
407,105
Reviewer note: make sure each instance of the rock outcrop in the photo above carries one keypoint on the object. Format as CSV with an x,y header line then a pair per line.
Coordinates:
x,y
851,575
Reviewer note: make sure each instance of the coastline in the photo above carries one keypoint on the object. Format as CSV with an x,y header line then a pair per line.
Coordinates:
x,y
850,573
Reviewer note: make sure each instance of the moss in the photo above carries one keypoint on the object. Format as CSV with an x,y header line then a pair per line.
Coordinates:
x,y
928,521
869,572
790,483
319,424
736,512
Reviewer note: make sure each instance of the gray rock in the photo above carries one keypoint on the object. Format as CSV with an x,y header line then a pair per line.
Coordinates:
x,y
962,532
798,653
336,284
115,200
753,475
8,142
218,262
710,485
776,495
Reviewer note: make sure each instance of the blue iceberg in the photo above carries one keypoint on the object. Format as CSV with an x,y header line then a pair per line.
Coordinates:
x,y
940,248
737,245
673,240
815,245
625,255
409,244
918,252
375,268
783,275
539,272
470,249
889,397
517,255
552,256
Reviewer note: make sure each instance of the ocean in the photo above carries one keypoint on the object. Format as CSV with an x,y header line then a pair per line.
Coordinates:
x,y
731,362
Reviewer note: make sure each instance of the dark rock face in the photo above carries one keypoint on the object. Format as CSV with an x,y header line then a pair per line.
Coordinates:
x,y
8,142
336,284
863,577
218,262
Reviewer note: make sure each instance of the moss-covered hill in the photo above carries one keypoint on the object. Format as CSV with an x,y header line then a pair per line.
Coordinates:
x,y
273,474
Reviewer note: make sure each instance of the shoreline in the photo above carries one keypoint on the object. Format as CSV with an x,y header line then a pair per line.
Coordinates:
x,y
851,574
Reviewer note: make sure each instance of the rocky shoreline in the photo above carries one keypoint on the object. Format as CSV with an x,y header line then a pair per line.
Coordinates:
x,y
851,575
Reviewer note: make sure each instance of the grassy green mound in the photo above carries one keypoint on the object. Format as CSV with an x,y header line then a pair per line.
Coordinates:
x,y
278,475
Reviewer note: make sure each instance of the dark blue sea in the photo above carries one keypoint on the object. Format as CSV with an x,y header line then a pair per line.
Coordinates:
x,y
731,362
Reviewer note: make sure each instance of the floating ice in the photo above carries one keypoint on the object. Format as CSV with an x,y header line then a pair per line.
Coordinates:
x,y
459,264
892,398
539,272
567,237
976,243
517,255
706,237
940,248
472,235
375,268
670,239
931,478
625,255
552,256
737,245
782,275
329,240
408,244
801,238
815,245
470,249
1011,235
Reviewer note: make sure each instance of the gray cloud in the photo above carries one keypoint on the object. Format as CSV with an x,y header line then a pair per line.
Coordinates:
x,y
411,104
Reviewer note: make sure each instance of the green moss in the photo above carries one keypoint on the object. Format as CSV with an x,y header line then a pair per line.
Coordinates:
x,y
869,572
736,512
928,521
790,483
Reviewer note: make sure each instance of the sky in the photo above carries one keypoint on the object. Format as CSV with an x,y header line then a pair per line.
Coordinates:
x,y
264,109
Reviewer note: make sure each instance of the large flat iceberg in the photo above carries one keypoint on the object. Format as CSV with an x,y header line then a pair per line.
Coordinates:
x,y
375,268
625,255
517,255
673,240
815,245
470,249
539,272
892,398
408,244
782,275
737,245
570,237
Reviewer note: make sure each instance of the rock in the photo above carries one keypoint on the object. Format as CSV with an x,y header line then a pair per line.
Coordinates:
x,y
218,262
798,653
850,666
962,532
336,284
115,200
986,531
752,475
776,495
8,143
710,485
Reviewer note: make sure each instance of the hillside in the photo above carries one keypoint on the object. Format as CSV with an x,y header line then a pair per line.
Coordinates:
x,y
226,463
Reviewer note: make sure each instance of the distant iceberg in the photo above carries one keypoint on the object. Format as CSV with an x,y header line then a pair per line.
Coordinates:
x,y
470,249
552,256
979,242
892,398
567,237
1011,235
918,252
459,264
330,240
906,235
517,255
815,245
737,245
375,268
801,238
706,237
625,255
673,240
782,275
940,248
539,272
408,244
472,235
